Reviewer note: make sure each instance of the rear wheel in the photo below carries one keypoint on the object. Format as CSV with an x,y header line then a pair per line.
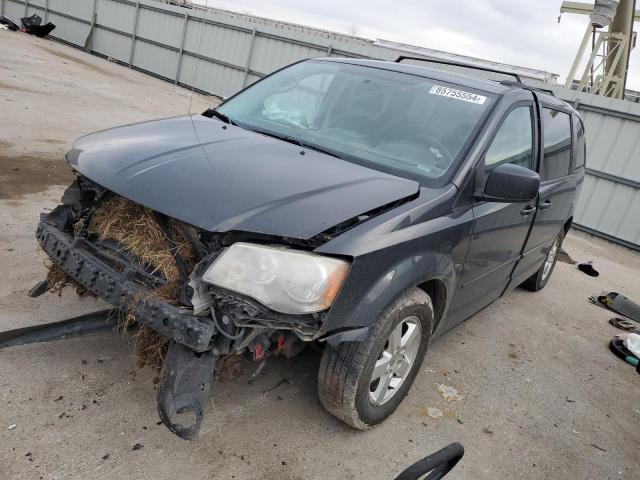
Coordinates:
x,y
538,280
362,383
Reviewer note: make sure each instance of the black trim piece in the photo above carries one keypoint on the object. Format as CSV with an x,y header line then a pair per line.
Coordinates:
x,y
613,178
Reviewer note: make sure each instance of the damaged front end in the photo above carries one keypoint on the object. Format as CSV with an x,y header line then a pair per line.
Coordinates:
x,y
154,269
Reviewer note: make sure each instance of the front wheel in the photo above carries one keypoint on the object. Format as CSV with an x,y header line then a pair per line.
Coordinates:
x,y
362,383
538,280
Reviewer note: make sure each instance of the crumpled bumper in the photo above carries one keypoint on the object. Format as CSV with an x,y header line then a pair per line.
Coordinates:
x,y
117,289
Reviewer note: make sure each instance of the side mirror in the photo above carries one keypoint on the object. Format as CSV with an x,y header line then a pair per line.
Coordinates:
x,y
511,183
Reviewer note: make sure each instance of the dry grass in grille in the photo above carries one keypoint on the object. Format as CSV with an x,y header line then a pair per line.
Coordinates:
x,y
150,347
135,228
57,279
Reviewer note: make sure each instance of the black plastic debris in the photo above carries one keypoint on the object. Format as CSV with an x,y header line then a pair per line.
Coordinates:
x,y
587,267
9,22
564,257
437,465
617,347
33,25
88,324
624,324
618,303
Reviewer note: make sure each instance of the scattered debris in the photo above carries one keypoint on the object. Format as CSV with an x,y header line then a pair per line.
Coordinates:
x,y
137,446
12,426
632,343
59,398
624,324
104,359
228,368
449,393
10,23
57,280
617,303
33,25
587,267
281,382
105,456
620,350
433,412
487,430
564,257
599,448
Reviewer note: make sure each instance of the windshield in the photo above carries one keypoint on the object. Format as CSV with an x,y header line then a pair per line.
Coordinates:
x,y
387,120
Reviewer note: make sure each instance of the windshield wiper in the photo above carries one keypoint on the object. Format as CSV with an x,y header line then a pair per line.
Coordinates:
x,y
297,141
219,115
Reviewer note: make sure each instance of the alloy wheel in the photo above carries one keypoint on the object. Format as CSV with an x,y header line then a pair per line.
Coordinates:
x,y
395,362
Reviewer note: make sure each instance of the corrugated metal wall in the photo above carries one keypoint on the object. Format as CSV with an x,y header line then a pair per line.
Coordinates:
x,y
220,52
610,201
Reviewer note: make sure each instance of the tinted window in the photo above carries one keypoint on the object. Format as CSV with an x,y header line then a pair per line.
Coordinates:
x,y
514,141
581,145
387,120
557,143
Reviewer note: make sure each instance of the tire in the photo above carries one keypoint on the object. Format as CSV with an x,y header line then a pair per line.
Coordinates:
x,y
345,376
538,280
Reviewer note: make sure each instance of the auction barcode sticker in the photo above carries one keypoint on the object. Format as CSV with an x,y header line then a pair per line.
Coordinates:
x,y
458,94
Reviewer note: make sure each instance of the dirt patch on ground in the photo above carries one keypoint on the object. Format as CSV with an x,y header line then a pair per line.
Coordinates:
x,y
21,175
71,58
16,88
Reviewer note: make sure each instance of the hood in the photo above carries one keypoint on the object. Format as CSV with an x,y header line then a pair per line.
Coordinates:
x,y
220,178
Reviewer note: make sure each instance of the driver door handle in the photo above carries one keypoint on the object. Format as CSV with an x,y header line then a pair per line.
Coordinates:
x,y
528,210
545,205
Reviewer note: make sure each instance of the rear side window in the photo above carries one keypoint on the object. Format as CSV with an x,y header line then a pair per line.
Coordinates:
x,y
514,141
581,145
557,143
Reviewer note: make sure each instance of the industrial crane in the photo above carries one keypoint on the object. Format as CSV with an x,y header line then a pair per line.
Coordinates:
x,y
606,69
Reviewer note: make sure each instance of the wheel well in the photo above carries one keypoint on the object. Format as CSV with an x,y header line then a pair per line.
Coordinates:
x,y
437,290
567,225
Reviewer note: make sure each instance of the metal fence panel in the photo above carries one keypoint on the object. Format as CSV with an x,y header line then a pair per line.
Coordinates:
x,y
155,59
111,44
160,27
115,15
68,30
13,9
609,209
77,8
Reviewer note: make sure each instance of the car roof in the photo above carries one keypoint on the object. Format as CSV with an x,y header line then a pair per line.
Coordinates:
x,y
491,86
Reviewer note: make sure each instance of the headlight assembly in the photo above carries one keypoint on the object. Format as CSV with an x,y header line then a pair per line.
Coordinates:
x,y
285,280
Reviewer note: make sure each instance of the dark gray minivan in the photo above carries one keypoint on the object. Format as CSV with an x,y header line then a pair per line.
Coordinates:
x,y
369,206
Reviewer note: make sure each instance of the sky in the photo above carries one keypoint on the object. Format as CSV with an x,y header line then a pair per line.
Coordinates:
x,y
520,33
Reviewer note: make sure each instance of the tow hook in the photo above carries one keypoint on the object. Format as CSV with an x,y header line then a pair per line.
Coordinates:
x,y
184,389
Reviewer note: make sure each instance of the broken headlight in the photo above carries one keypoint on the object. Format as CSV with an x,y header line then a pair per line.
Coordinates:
x,y
284,280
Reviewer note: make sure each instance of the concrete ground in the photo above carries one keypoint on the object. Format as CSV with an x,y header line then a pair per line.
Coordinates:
x,y
541,395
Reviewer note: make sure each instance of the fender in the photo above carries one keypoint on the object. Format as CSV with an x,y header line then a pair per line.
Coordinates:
x,y
397,250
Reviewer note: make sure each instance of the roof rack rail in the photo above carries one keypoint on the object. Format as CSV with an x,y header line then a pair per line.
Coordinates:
x,y
459,64
511,83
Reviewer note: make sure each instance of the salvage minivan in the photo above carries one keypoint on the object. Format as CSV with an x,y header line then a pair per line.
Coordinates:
x,y
368,206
